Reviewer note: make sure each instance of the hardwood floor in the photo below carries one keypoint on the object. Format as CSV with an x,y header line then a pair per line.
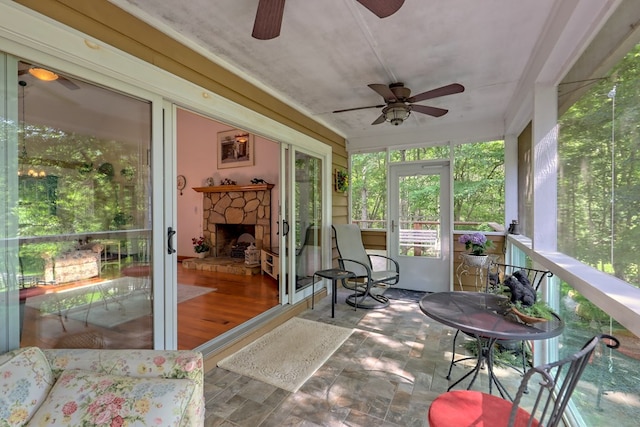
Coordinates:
x,y
235,300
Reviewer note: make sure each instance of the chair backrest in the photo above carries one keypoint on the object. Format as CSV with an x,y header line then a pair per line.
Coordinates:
x,y
534,276
557,381
350,246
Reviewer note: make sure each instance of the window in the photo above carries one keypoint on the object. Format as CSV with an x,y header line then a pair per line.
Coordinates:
x,y
83,213
478,184
598,204
599,175
369,190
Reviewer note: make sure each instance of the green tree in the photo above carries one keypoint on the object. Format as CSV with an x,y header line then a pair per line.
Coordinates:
x,y
599,174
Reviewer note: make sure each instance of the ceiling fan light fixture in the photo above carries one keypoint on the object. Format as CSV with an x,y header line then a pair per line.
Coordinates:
x,y
43,74
396,114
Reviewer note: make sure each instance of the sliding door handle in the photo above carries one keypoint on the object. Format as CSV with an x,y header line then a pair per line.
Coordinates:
x,y
170,233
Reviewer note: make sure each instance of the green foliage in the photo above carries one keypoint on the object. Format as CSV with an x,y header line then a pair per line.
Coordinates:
x,y
478,184
368,188
76,196
539,309
599,174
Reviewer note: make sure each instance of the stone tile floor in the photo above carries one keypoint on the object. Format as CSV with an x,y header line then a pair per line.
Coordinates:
x,y
386,374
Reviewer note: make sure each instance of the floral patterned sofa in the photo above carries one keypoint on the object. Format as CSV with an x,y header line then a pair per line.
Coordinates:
x,y
101,388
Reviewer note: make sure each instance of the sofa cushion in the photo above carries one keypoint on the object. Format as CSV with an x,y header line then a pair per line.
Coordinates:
x,y
25,381
81,398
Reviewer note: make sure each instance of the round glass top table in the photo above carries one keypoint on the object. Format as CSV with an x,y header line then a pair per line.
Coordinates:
x,y
483,315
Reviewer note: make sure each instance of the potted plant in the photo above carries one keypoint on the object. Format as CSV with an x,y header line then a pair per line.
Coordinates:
x,y
537,312
477,244
523,301
200,246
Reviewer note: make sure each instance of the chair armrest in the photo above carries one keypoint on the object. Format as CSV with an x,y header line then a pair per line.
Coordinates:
x,y
365,266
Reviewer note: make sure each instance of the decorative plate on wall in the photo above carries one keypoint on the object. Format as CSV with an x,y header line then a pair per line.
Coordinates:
x,y
182,182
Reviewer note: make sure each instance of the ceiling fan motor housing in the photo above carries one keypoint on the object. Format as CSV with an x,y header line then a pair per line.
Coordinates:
x,y
402,93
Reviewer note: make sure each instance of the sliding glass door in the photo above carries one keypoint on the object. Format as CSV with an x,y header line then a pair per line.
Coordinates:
x,y
303,224
78,256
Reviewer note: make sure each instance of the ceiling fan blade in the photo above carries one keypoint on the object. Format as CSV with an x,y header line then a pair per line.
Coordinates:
x,y
435,93
379,120
358,108
268,19
382,8
432,111
68,83
384,91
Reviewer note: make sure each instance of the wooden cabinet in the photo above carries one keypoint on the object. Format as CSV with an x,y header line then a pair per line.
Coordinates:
x,y
270,260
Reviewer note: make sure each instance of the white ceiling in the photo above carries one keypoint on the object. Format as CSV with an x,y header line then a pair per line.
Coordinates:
x,y
330,50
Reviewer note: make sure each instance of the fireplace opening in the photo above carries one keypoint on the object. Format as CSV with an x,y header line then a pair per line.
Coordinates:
x,y
226,239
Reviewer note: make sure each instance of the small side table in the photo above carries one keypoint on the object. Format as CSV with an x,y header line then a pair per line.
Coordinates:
x,y
333,274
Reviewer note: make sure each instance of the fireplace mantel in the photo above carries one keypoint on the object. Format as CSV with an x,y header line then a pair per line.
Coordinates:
x,y
229,188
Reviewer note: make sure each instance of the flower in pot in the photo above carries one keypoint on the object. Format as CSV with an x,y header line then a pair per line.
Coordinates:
x,y
200,244
476,243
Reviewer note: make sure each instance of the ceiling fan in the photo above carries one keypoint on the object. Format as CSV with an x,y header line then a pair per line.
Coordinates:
x,y
399,103
47,76
269,16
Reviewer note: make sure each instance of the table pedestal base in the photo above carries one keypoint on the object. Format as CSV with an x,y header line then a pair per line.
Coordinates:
x,y
368,301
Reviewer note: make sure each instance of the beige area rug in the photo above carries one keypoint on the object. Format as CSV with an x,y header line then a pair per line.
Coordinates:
x,y
114,301
287,356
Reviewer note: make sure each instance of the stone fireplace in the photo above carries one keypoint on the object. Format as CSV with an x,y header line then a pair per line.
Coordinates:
x,y
228,212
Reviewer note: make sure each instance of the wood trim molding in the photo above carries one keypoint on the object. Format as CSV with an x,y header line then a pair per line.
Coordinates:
x,y
238,188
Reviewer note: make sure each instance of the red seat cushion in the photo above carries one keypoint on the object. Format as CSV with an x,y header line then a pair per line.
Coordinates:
x,y
466,408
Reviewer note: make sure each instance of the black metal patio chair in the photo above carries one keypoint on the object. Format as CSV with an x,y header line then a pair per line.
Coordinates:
x,y
547,399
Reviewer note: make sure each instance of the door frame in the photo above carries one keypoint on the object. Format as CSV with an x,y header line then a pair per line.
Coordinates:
x,y
286,209
445,262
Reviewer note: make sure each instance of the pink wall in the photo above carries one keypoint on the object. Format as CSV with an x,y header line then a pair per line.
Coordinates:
x,y
197,160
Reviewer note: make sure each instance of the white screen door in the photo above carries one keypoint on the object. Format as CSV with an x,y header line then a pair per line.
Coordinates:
x,y
420,230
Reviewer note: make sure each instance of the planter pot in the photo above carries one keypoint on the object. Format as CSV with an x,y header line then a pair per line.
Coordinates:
x,y
527,319
475,260
201,255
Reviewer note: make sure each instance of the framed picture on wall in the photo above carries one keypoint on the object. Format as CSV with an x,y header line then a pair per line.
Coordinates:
x,y
235,149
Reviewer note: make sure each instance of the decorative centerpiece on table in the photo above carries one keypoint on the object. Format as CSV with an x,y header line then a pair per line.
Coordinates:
x,y
477,245
201,246
523,302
